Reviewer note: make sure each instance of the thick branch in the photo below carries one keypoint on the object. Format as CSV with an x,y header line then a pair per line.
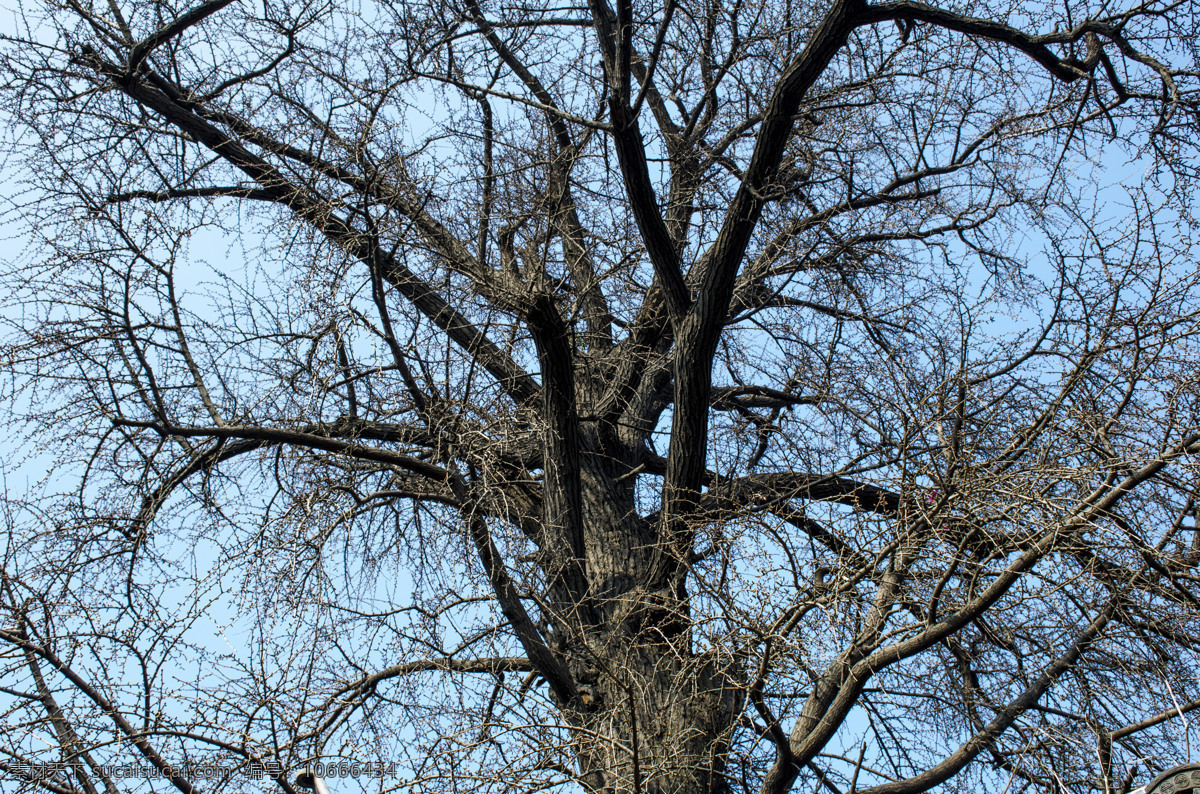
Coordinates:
x,y
952,764
143,48
544,660
511,377
563,502
1067,70
697,335
615,37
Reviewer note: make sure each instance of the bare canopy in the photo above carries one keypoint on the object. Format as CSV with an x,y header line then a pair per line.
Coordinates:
x,y
664,397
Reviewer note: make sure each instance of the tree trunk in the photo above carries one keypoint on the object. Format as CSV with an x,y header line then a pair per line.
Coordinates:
x,y
657,715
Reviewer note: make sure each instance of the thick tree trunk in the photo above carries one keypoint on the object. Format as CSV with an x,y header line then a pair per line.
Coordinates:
x,y
662,723
658,715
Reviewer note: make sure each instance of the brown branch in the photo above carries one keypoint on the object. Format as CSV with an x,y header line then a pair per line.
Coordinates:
x,y
143,48
981,740
850,676
110,710
544,660
491,665
616,47
230,191
696,336
1150,722
511,377
68,740
1068,70
562,500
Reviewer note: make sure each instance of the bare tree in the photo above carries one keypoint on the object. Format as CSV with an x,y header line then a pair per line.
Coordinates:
x,y
679,397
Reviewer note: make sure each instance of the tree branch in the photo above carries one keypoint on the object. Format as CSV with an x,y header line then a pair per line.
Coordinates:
x,y
143,48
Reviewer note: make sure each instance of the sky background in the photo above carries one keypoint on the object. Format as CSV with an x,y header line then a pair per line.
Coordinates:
x,y
228,626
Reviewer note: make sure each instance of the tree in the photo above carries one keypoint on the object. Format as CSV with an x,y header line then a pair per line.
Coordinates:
x,y
659,398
